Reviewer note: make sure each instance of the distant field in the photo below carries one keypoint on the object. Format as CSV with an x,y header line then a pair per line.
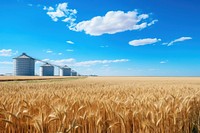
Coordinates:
x,y
24,78
101,105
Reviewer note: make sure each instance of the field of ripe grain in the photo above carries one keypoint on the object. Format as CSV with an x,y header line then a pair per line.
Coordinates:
x,y
101,105
26,78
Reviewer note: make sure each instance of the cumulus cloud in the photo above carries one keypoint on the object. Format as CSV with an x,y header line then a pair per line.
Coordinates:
x,y
61,11
114,22
181,39
6,52
48,8
145,41
69,42
73,62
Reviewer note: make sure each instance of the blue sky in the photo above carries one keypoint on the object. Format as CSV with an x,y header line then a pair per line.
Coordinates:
x,y
104,37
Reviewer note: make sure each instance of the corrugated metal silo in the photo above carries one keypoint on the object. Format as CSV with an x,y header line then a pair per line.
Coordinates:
x,y
24,65
65,71
46,70
74,73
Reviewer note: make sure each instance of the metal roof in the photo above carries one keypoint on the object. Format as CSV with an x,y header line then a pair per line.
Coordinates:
x,y
46,64
24,55
65,66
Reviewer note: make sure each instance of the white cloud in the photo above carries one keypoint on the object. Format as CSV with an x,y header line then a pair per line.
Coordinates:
x,y
61,62
152,22
145,41
164,62
6,52
48,8
45,8
69,42
6,62
64,61
94,62
49,51
59,53
46,60
70,20
62,12
70,50
164,43
14,53
113,22
181,39
72,62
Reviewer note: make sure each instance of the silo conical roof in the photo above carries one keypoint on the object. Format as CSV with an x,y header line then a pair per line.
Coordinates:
x,y
23,55
46,64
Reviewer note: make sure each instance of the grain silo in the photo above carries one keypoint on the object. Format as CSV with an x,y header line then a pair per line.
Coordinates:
x,y
46,70
65,71
74,73
24,65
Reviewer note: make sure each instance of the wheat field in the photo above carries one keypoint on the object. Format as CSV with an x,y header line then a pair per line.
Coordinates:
x,y
101,105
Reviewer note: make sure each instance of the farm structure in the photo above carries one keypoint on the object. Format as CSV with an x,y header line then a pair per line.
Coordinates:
x,y
24,65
